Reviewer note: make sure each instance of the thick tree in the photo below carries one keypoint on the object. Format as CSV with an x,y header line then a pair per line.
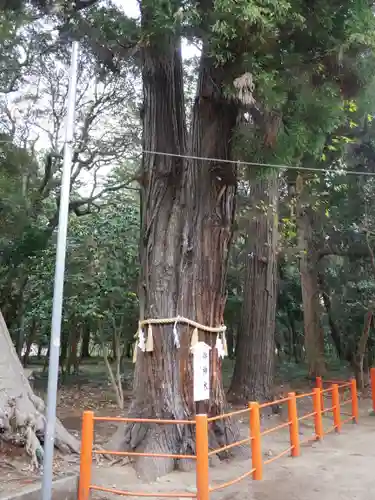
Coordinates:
x,y
188,209
255,351
308,265
188,217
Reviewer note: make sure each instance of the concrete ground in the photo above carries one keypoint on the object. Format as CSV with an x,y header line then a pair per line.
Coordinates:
x,y
338,468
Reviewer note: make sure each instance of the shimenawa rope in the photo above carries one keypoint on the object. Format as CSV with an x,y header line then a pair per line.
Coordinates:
x,y
147,344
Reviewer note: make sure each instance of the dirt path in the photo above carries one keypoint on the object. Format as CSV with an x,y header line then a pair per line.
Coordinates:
x,y
340,467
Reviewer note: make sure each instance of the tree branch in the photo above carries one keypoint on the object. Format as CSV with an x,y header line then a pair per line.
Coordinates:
x,y
90,199
356,251
75,206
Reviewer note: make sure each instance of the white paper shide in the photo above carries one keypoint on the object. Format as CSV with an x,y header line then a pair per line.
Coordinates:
x,y
201,368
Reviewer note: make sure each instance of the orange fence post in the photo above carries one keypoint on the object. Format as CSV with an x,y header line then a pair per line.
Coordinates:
x,y
318,413
293,424
336,407
86,455
319,385
203,484
256,444
353,390
372,373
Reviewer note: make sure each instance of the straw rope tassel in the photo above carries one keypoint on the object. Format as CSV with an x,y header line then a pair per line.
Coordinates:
x,y
142,340
135,349
225,345
219,347
175,333
194,338
136,343
150,339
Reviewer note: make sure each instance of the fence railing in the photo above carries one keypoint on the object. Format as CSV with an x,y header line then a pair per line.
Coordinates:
x,y
326,402
372,382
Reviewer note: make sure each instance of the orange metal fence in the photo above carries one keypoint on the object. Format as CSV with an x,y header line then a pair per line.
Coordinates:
x,y
320,395
372,376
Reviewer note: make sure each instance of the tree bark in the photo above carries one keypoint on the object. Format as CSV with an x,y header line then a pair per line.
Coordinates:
x,y
21,412
314,335
187,226
157,389
255,351
209,191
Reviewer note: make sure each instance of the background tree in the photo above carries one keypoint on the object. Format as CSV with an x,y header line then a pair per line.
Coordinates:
x,y
30,166
298,106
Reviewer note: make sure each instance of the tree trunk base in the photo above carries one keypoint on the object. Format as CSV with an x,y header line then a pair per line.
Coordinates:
x,y
22,420
173,440
244,395
21,427
253,372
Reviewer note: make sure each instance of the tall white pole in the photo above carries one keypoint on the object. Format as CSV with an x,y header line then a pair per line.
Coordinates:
x,y
54,353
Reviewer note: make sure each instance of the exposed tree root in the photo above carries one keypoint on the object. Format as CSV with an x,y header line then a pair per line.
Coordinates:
x,y
22,420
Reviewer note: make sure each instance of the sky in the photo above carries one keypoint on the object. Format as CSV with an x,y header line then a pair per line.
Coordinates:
x,y
131,7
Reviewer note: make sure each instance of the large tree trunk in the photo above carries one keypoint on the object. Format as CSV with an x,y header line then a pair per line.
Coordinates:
x,y
187,226
209,200
314,335
255,351
21,412
157,388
